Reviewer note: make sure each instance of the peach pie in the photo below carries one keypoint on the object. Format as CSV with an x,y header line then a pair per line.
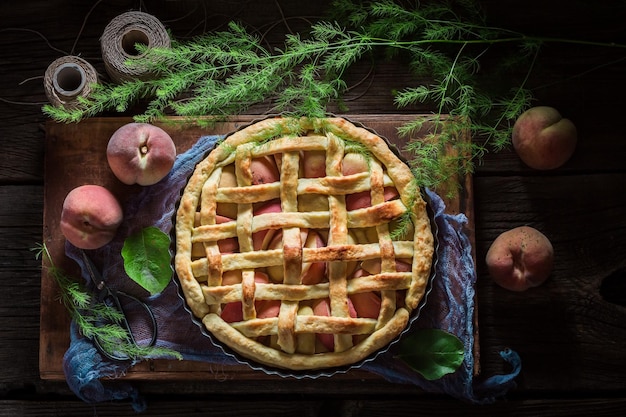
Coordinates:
x,y
303,244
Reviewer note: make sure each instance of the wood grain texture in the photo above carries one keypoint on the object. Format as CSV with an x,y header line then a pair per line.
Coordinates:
x,y
583,216
73,160
336,407
20,231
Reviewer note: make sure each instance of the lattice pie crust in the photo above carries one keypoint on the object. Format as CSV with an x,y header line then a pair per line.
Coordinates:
x,y
287,270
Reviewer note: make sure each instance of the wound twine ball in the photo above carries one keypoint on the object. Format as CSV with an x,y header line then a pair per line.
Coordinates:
x,y
68,78
119,39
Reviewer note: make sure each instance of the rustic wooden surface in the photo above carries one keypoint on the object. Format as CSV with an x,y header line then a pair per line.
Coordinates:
x,y
77,161
570,332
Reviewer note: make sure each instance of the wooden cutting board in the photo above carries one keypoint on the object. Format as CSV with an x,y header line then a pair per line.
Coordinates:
x,y
75,154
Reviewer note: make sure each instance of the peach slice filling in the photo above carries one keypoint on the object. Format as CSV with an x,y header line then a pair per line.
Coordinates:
x,y
265,170
233,312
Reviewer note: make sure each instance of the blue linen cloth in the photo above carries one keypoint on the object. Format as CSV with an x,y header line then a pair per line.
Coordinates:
x,y
449,306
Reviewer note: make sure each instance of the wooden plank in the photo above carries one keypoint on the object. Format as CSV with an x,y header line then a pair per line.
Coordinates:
x,y
570,336
76,155
309,407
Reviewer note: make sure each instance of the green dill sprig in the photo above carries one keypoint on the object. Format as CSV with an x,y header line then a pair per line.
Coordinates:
x,y
225,73
402,227
445,42
352,146
89,316
443,153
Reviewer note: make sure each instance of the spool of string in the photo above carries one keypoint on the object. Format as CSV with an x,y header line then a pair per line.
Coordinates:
x,y
68,78
118,43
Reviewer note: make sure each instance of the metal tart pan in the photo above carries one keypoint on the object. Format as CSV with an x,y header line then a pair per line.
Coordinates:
x,y
324,372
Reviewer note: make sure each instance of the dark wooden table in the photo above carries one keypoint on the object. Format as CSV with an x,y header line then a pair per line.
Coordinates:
x,y
570,332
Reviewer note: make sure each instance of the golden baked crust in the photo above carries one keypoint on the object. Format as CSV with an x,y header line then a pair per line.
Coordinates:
x,y
270,283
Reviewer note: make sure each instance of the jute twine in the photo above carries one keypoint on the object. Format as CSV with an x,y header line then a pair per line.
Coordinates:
x,y
68,78
119,39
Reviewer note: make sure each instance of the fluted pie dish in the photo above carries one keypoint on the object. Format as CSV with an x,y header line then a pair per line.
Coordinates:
x,y
303,244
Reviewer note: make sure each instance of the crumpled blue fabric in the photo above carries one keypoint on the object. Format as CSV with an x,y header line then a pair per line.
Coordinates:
x,y
84,366
449,306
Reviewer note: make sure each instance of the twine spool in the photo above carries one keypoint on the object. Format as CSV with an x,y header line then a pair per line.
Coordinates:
x,y
68,78
119,39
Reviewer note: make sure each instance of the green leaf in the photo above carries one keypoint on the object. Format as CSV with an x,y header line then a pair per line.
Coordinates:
x,y
432,352
147,259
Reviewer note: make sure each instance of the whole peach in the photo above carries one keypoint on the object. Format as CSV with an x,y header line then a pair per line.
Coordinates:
x,y
543,139
141,153
520,258
90,216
